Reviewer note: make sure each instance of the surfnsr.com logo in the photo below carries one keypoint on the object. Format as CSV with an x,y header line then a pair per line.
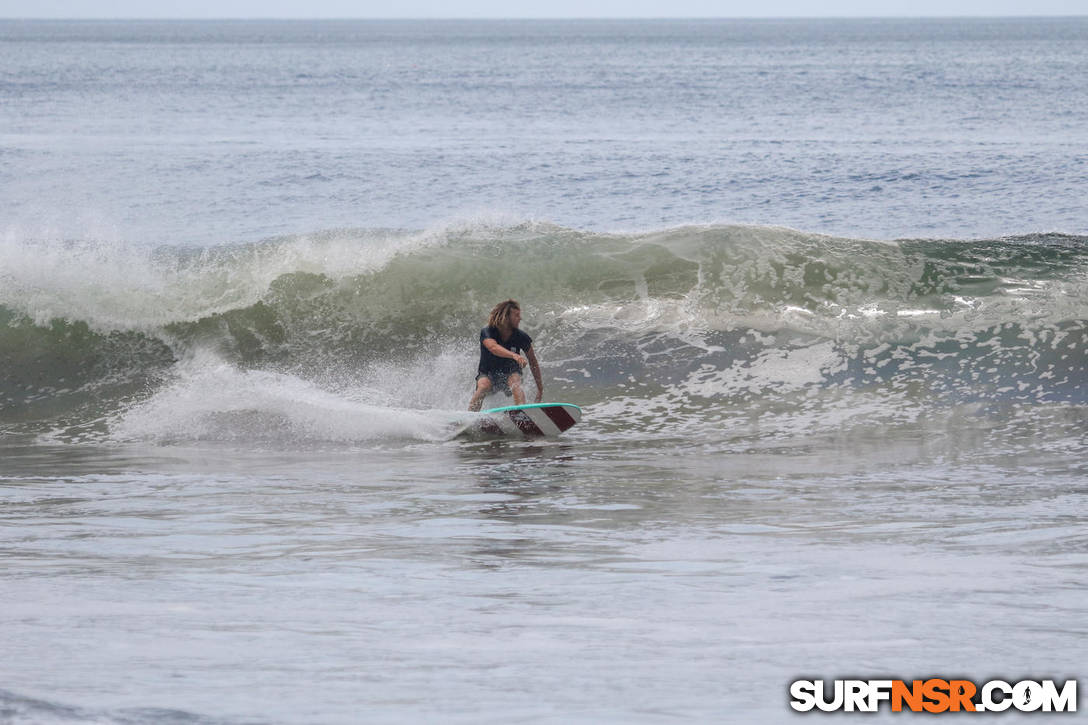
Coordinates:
x,y
933,695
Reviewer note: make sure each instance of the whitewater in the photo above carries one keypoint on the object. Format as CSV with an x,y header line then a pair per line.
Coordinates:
x,y
820,289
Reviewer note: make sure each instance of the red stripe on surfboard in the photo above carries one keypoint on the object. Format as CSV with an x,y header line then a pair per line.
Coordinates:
x,y
560,417
524,423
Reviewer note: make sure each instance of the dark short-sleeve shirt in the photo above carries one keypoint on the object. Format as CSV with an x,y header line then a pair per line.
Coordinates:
x,y
490,364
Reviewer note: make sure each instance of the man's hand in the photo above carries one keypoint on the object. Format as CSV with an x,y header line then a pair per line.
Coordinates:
x,y
539,395
521,360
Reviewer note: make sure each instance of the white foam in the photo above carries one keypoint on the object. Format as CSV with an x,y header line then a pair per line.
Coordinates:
x,y
776,369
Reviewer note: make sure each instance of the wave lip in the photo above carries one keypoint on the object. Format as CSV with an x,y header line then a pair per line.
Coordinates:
x,y
113,285
722,272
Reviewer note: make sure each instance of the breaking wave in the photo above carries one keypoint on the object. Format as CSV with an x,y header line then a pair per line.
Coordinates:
x,y
351,334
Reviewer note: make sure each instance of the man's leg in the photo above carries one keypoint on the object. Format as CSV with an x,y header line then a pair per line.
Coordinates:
x,y
483,387
514,381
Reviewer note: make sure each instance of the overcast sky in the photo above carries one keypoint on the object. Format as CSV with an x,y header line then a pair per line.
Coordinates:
x,y
530,8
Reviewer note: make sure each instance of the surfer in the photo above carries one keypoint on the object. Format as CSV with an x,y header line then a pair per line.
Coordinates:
x,y
504,352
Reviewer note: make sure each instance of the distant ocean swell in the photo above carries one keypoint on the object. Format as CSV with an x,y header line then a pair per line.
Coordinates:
x,y
375,326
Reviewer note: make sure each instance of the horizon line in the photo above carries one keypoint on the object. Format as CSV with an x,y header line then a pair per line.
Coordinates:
x,y
541,18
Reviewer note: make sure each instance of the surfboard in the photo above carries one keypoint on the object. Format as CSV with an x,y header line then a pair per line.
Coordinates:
x,y
535,420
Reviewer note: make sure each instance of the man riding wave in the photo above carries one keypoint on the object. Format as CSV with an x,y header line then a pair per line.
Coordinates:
x,y
504,352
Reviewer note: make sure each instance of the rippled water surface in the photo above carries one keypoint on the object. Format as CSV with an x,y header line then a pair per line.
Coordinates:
x,y
574,580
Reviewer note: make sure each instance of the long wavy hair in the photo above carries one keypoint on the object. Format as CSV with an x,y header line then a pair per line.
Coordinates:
x,y
500,315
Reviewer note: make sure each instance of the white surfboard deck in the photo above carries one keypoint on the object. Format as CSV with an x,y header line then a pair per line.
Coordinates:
x,y
534,420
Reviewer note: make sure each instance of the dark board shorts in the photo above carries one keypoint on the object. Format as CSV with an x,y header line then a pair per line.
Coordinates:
x,y
500,381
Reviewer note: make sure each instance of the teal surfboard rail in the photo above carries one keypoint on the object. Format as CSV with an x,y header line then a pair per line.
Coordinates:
x,y
531,405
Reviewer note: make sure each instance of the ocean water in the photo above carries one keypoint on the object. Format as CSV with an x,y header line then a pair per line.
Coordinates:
x,y
820,288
